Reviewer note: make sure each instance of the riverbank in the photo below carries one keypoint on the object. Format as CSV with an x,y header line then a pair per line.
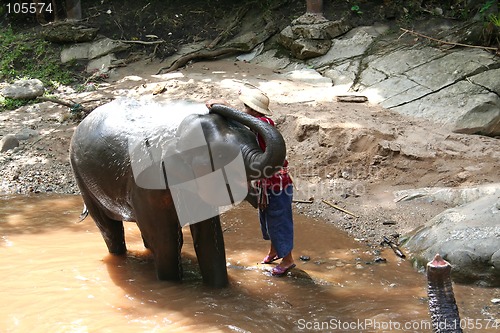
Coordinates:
x,y
352,155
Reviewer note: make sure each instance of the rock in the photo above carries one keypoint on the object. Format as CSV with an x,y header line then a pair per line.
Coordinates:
x,y
305,127
352,45
102,64
309,48
309,76
93,50
449,195
68,32
24,89
310,35
413,80
321,30
467,236
106,46
75,52
8,142
25,134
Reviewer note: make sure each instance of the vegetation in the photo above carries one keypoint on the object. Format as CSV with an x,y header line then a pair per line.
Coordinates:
x,y
25,55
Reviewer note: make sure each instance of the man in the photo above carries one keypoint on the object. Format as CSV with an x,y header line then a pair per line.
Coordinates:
x,y
275,201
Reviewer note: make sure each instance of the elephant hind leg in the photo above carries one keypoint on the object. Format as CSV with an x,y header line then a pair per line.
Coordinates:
x,y
111,230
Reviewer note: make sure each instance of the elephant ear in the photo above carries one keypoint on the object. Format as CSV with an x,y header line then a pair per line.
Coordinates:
x,y
203,172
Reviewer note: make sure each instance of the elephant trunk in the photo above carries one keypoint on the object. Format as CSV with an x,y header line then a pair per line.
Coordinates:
x,y
259,164
442,306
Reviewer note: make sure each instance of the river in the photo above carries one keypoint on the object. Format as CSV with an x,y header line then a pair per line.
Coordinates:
x,y
56,276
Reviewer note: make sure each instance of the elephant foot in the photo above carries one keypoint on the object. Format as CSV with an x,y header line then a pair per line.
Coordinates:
x,y
168,272
115,245
118,251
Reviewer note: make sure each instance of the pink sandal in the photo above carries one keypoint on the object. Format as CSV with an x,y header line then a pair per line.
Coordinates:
x,y
280,271
268,259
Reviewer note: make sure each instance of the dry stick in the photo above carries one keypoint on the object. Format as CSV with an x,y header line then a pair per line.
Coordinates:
x,y
450,43
340,208
141,42
57,101
303,201
69,104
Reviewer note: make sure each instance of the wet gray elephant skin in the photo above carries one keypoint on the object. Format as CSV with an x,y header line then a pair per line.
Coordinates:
x,y
442,305
103,160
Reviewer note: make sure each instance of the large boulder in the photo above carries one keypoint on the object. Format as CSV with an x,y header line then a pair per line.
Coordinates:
x,y
8,142
468,236
68,32
94,50
311,35
23,89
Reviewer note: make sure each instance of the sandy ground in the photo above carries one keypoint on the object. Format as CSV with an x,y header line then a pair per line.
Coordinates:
x,y
353,155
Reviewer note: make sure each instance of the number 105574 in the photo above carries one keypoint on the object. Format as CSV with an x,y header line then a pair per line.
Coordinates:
x,y
29,8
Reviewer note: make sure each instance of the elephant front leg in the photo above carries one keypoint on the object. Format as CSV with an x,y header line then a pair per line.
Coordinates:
x,y
166,247
209,246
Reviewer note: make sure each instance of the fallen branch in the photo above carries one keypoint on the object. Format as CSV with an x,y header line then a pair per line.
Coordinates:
x,y
141,42
394,247
230,48
75,107
496,49
201,54
340,208
70,104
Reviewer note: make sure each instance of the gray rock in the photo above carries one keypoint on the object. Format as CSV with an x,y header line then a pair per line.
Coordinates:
x,y
309,48
26,133
106,46
68,32
309,76
75,52
310,35
8,142
96,49
102,64
24,89
322,30
458,88
352,45
467,236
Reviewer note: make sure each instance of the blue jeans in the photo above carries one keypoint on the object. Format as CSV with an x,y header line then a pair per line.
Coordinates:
x,y
276,221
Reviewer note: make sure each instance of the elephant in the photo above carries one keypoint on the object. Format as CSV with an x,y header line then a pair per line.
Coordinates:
x,y
142,162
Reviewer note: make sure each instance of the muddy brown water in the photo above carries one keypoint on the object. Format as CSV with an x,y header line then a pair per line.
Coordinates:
x,y
56,276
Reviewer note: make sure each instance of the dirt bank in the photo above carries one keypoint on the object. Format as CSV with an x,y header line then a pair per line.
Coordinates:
x,y
349,154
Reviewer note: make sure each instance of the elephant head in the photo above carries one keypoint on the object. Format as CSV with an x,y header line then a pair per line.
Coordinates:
x,y
133,162
259,164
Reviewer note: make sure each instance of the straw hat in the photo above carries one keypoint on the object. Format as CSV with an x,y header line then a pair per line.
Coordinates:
x,y
255,99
